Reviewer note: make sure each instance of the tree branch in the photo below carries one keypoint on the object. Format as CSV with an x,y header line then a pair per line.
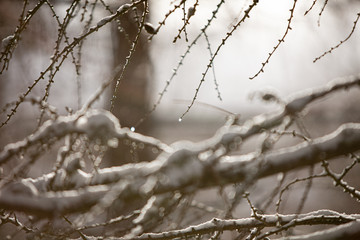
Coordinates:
x,y
311,218
180,167
179,170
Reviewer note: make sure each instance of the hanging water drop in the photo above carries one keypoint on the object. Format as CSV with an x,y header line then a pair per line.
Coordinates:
x,y
132,129
180,119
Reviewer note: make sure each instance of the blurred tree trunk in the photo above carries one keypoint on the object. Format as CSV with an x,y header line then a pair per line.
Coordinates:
x,y
131,102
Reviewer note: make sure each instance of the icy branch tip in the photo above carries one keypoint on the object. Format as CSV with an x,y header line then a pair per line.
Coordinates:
x,y
123,8
6,41
99,124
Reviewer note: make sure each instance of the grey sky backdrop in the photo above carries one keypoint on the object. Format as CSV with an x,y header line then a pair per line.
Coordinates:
x,y
290,69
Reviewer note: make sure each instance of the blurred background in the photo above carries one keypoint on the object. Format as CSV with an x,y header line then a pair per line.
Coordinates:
x,y
290,69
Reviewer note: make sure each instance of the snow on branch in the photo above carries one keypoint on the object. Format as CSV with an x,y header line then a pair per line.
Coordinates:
x,y
312,218
345,139
151,200
95,124
300,100
181,168
350,230
24,197
178,170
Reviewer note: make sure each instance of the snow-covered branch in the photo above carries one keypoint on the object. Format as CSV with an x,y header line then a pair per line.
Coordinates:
x,y
345,139
347,231
95,124
179,170
311,218
64,182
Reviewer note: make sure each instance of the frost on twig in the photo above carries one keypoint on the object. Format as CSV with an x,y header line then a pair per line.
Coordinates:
x,y
313,218
350,230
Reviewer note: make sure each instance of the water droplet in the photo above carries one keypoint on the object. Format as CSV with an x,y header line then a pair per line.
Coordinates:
x,y
180,119
155,150
132,129
97,147
113,142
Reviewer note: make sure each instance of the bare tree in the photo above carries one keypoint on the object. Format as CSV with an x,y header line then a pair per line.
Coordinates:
x,y
79,198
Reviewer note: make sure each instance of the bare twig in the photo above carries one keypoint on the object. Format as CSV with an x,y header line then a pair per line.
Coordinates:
x,y
341,42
